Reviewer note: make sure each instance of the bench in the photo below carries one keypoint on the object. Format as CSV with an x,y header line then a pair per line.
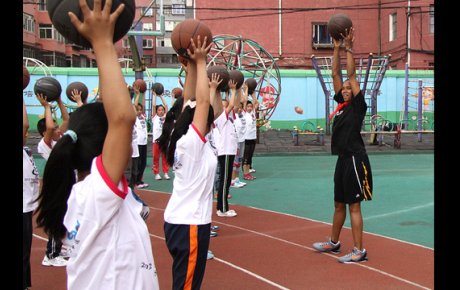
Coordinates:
x,y
378,135
319,136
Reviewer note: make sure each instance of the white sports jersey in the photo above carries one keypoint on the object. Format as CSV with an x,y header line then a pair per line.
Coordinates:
x,y
110,242
228,140
251,129
134,146
240,126
157,126
29,182
195,162
141,129
44,149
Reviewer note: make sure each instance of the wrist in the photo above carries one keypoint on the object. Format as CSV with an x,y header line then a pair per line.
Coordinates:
x,y
349,49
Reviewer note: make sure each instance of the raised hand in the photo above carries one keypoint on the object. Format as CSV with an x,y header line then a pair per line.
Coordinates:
x,y
98,25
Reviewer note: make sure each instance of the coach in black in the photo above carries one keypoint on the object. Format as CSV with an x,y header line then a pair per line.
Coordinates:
x,y
353,176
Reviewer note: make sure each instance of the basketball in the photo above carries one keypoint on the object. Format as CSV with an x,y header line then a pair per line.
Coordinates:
x,y
189,28
298,110
49,87
158,88
237,76
176,92
222,72
57,10
337,25
252,84
182,60
141,84
79,86
25,77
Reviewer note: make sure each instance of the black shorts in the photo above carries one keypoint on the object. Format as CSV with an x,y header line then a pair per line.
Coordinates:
x,y
353,179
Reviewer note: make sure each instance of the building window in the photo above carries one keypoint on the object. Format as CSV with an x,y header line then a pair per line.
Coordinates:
x,y
164,42
164,59
46,31
147,26
320,36
393,25
147,43
431,18
148,59
169,25
28,22
146,12
42,5
178,9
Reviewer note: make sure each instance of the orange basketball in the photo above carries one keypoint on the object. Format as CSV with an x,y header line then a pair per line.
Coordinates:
x,y
141,84
184,31
298,110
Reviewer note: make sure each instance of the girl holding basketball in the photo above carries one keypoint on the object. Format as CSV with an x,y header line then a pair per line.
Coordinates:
x,y
158,118
353,176
192,153
109,242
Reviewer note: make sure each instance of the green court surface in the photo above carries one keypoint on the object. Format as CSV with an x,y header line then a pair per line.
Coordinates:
x,y
302,185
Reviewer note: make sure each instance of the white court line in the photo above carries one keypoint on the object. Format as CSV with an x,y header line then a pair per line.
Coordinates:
x,y
238,268
400,211
251,273
311,249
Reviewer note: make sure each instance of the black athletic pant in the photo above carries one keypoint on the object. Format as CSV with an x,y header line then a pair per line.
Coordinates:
x,y
225,163
249,147
188,246
53,247
142,163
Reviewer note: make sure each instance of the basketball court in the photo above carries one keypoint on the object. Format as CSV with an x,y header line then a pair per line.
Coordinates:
x,y
269,244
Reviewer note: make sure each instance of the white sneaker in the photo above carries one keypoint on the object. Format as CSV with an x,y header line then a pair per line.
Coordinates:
x,y
210,255
229,213
56,262
166,176
158,177
237,180
236,185
252,170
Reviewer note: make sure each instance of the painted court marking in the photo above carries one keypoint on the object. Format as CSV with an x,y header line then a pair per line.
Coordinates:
x,y
431,204
313,250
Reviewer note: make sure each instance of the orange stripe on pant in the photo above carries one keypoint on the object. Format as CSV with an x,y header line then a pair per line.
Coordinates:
x,y
192,258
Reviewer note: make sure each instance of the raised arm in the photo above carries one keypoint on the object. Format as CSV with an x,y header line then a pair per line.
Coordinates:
x,y
49,123
231,100
164,103
98,29
200,51
336,78
215,99
351,71
190,82
64,115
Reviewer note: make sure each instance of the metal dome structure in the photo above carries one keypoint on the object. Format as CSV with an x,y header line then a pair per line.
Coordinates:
x,y
249,57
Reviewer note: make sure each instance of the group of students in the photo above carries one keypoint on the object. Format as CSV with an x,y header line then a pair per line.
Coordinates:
x,y
86,202
235,133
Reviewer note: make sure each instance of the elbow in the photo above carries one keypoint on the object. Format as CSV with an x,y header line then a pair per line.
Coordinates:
x,y
127,119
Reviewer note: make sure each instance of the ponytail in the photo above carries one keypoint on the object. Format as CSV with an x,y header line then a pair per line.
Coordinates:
x,y
76,149
57,183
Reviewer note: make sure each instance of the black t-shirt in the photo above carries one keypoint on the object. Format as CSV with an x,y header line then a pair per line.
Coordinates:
x,y
346,137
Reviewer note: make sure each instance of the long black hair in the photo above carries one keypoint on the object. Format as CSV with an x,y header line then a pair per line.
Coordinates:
x,y
89,122
171,116
181,127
